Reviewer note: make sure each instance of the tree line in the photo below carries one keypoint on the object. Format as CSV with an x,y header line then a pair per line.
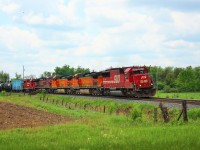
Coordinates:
x,y
175,79
168,79
65,71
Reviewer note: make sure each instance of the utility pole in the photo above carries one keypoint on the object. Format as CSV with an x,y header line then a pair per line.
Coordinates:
x,y
23,72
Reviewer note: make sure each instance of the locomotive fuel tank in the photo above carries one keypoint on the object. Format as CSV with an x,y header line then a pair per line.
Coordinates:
x,y
117,93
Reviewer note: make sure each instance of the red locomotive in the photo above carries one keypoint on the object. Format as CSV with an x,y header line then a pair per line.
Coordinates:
x,y
29,85
128,81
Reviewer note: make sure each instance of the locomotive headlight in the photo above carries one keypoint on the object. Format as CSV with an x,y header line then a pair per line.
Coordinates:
x,y
151,83
140,85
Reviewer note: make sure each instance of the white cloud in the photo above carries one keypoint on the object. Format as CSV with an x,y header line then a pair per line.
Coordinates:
x,y
9,7
16,39
186,23
40,19
61,14
182,44
69,11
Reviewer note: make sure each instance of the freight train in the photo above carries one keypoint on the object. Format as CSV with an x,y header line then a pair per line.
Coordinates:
x,y
133,81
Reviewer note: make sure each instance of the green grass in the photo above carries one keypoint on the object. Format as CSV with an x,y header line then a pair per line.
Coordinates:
x,y
86,136
94,130
186,95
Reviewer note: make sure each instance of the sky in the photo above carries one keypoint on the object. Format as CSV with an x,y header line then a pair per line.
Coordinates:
x,y
97,34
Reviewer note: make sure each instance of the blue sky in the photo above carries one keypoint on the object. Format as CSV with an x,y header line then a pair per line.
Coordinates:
x,y
43,34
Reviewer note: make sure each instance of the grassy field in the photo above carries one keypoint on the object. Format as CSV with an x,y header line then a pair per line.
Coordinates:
x,y
95,130
187,95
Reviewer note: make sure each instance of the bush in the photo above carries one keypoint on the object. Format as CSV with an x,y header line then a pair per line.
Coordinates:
x,y
136,114
3,93
168,89
43,93
194,113
161,85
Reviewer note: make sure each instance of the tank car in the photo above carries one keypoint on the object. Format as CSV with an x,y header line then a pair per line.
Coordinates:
x,y
7,87
1,86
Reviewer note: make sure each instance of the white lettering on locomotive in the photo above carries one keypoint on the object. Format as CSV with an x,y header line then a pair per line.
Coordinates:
x,y
143,77
143,81
117,78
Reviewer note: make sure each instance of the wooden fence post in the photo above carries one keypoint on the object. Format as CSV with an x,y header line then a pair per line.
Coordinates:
x,y
155,114
180,115
85,106
104,109
164,113
184,108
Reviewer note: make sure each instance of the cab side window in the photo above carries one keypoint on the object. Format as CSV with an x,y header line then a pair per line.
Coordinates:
x,y
126,75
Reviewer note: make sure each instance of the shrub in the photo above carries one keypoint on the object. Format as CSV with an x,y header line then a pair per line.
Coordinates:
x,y
136,114
3,93
168,89
43,93
194,113
161,85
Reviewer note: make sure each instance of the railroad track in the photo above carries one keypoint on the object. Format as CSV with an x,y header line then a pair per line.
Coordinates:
x,y
173,100
152,99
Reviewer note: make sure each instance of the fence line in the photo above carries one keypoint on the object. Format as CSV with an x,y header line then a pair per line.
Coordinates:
x,y
126,111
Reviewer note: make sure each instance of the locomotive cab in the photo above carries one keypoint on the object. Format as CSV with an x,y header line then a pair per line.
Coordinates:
x,y
141,78
142,82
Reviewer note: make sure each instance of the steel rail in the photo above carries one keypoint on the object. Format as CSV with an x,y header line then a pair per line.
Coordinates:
x,y
151,99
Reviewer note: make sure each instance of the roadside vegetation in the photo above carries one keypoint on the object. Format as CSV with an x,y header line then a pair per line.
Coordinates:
x,y
182,95
92,129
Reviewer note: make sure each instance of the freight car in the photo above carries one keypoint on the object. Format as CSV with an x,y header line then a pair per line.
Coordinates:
x,y
1,86
17,85
6,86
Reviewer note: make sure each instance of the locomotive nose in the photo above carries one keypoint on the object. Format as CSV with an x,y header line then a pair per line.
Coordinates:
x,y
144,81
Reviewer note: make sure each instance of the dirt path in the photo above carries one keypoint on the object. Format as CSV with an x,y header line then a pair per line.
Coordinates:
x,y
16,116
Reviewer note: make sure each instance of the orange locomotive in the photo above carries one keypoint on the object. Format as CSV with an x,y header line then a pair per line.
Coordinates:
x,y
89,83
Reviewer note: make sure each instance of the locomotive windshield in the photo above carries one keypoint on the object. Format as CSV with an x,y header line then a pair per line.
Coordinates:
x,y
140,72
